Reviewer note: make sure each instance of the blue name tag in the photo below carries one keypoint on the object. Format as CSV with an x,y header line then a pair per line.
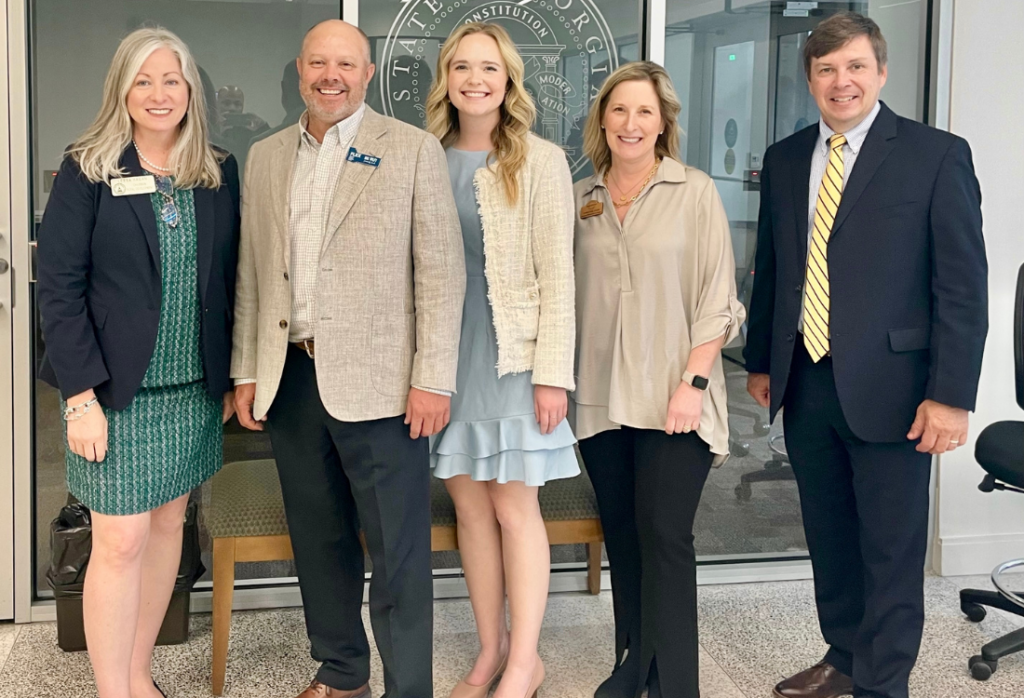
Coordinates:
x,y
355,156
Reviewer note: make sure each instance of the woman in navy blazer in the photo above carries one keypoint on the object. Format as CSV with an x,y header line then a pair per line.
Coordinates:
x,y
137,255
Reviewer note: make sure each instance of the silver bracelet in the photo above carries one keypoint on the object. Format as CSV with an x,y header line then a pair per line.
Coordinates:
x,y
72,414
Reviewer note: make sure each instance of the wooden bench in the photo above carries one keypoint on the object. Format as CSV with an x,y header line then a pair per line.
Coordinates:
x,y
247,523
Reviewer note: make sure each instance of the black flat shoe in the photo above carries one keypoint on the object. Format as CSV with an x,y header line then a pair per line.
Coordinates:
x,y
622,683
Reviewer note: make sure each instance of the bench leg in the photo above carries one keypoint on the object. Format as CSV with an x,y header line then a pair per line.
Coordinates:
x,y
594,568
223,590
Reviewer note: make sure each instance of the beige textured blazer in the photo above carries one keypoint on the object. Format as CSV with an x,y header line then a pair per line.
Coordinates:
x,y
528,265
392,274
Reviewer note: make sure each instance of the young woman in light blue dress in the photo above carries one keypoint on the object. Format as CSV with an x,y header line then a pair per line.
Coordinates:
x,y
508,434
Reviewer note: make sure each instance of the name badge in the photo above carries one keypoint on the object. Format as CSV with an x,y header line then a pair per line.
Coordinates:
x,y
362,158
594,208
129,186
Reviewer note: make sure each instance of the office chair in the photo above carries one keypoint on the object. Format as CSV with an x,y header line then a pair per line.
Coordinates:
x,y
1000,451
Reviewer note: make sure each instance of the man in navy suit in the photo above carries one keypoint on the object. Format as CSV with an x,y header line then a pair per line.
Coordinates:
x,y
867,324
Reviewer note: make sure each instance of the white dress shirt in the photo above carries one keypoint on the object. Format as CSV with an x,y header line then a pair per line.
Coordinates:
x,y
819,161
317,169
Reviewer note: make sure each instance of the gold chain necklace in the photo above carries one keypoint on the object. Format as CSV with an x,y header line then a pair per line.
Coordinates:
x,y
623,201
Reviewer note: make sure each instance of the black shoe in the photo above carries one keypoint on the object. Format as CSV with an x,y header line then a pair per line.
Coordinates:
x,y
624,679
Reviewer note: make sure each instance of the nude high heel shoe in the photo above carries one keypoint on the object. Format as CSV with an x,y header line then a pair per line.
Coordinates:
x,y
467,690
537,680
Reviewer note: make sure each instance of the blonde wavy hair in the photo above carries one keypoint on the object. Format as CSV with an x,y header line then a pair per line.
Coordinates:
x,y
98,150
517,111
595,146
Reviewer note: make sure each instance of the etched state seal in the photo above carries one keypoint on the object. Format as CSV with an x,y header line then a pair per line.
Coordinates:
x,y
566,45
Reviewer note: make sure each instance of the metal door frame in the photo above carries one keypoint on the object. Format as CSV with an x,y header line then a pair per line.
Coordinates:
x,y
6,343
16,36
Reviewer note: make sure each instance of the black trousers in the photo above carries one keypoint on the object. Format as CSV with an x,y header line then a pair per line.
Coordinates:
x,y
865,511
648,485
335,476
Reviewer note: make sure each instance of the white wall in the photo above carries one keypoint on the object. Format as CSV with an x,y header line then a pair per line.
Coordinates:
x,y
977,531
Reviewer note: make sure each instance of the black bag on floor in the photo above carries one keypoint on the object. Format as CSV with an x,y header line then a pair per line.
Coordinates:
x,y
70,548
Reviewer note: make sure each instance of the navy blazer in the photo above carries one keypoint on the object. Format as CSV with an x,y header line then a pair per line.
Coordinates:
x,y
907,272
99,284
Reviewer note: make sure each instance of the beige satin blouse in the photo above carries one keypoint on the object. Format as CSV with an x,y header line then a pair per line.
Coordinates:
x,y
646,293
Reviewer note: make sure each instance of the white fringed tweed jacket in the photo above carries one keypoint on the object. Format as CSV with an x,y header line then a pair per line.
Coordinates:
x,y
528,252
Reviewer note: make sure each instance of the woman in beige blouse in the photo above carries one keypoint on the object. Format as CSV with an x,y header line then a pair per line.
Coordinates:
x,y
655,303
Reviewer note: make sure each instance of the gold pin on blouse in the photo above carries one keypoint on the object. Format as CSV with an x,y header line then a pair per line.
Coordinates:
x,y
593,208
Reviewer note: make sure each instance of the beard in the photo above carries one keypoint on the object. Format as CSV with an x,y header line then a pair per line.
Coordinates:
x,y
353,99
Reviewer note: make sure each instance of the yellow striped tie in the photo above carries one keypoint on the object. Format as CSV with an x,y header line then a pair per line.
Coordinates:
x,y
816,288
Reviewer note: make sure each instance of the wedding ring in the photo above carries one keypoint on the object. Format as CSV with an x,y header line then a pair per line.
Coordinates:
x,y
954,443
686,430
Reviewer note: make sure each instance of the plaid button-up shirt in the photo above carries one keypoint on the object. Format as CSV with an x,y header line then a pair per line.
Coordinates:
x,y
317,169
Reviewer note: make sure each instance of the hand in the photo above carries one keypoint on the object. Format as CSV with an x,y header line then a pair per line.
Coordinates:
x,y
88,436
550,405
684,409
245,396
759,387
940,427
426,413
229,406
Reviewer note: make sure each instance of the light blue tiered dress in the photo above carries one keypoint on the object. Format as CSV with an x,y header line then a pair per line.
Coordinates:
x,y
493,433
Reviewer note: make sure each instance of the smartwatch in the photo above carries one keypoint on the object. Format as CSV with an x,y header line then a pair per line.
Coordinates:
x,y
698,382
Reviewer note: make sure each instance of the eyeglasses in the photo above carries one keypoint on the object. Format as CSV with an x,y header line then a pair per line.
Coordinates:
x,y
169,211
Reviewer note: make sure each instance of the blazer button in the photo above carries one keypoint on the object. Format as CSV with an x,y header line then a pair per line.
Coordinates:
x,y
798,288
283,324
789,338
286,276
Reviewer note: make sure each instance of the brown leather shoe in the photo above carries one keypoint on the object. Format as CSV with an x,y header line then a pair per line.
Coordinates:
x,y
319,690
820,681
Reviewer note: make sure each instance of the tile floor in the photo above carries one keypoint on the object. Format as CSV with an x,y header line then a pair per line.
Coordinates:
x,y
752,635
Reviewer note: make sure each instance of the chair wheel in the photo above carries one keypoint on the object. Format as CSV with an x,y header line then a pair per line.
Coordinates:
x,y
981,668
743,492
974,612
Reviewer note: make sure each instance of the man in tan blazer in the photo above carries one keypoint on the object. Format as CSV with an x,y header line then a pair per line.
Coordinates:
x,y
349,301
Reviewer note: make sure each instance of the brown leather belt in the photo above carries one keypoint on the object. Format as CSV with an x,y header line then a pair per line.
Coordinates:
x,y
306,345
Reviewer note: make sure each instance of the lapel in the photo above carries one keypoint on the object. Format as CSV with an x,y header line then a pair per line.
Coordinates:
x,y
804,144
142,205
281,171
204,200
880,141
354,175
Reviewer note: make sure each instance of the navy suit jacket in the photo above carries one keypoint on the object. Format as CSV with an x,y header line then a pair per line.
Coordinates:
x,y
907,274
99,283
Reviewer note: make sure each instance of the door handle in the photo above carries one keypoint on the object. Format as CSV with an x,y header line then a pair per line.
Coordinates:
x,y
33,248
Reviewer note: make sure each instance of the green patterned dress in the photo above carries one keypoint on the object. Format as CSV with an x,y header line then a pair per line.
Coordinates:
x,y
169,439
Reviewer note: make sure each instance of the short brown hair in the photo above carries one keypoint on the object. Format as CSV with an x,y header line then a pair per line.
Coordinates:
x,y
596,147
840,29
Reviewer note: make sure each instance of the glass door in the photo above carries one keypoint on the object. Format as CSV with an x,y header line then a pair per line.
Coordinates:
x,y
569,47
738,68
6,341
246,51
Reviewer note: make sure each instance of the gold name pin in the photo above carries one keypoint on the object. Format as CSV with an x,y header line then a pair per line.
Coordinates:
x,y
594,208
